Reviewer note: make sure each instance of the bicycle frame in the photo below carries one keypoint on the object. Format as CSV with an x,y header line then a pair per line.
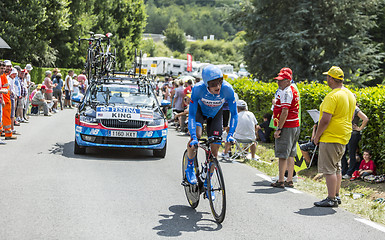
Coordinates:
x,y
210,181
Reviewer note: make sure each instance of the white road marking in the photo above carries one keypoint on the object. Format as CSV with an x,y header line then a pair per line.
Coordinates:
x,y
372,224
293,190
267,178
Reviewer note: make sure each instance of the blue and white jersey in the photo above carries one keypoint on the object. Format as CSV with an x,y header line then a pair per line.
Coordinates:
x,y
211,103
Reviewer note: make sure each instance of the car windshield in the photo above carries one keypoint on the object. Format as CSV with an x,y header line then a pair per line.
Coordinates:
x,y
128,95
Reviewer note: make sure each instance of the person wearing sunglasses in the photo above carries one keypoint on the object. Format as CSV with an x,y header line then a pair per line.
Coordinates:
x,y
207,99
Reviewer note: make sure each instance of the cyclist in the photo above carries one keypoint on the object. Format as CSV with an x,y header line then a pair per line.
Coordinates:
x,y
207,99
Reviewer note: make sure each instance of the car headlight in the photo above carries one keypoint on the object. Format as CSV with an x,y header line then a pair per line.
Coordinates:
x,y
156,122
87,119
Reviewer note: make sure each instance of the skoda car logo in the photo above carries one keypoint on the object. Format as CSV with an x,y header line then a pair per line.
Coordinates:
x,y
123,120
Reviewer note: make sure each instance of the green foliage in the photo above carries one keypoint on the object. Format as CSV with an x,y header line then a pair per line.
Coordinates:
x,y
148,46
29,27
309,37
371,101
45,32
38,73
195,18
218,51
175,38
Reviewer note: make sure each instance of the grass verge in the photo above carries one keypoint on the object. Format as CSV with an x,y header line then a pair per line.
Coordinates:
x,y
365,205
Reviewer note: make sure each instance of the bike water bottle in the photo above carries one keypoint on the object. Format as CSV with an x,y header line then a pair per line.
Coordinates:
x,y
203,173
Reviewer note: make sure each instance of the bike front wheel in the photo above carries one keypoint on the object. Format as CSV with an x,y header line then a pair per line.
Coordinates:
x,y
192,191
216,191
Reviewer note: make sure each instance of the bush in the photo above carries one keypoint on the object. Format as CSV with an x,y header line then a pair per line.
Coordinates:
x,y
38,73
371,101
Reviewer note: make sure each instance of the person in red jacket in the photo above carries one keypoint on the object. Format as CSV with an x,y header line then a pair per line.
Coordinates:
x,y
367,167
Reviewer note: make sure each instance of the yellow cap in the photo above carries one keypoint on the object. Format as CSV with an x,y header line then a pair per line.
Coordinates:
x,y
39,86
335,72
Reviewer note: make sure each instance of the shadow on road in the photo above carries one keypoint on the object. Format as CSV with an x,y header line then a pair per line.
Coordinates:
x,y
268,190
316,211
184,219
110,154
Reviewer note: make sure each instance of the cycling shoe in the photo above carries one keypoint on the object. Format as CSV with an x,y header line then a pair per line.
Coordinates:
x,y
190,174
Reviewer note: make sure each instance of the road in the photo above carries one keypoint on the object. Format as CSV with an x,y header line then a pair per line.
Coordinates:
x,y
47,192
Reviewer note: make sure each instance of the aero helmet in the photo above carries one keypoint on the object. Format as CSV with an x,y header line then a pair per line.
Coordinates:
x,y
211,72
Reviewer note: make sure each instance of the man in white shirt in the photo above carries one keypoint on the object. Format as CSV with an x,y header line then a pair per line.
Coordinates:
x,y
69,88
246,129
28,83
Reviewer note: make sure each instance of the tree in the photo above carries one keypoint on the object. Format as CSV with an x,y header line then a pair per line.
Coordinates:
x,y
175,38
30,29
309,37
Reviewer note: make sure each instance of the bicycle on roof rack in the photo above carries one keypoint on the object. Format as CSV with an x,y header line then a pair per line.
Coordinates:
x,y
98,62
210,181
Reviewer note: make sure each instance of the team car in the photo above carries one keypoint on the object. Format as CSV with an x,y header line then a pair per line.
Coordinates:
x,y
121,112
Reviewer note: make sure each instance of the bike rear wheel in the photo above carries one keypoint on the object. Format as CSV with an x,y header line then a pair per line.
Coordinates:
x,y
191,191
215,180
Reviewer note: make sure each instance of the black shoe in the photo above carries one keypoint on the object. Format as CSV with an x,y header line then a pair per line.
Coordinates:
x,y
327,202
338,199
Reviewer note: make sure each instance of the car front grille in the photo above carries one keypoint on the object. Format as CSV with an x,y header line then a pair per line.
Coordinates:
x,y
126,141
115,123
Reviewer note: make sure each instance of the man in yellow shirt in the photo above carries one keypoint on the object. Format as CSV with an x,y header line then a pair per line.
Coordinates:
x,y
333,133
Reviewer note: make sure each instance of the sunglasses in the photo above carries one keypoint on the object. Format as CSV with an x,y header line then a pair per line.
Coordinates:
x,y
215,82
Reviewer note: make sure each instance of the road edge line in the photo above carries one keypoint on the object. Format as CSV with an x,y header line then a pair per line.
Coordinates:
x,y
371,224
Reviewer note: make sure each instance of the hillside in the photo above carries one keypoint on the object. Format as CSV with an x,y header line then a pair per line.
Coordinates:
x,y
197,18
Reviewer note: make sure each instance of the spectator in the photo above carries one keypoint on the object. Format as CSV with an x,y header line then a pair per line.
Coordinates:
x,y
178,104
188,88
49,86
7,107
264,129
83,83
28,83
57,90
55,71
182,117
25,94
18,99
39,100
69,88
306,147
173,89
367,167
22,96
333,133
166,92
286,119
246,129
3,91
352,146
14,94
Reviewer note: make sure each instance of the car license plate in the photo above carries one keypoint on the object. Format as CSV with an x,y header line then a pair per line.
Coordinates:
x,y
123,134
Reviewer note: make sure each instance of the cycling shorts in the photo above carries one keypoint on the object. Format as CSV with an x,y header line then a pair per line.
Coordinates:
x,y
214,125
226,118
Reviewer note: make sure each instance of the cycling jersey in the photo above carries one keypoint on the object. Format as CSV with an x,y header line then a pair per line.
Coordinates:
x,y
210,104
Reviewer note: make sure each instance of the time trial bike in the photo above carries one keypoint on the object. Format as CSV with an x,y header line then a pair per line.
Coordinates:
x,y
210,181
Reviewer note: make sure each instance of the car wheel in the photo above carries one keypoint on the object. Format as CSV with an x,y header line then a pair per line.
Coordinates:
x,y
78,149
161,153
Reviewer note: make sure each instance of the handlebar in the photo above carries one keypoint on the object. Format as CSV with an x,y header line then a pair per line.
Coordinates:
x,y
95,37
209,141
